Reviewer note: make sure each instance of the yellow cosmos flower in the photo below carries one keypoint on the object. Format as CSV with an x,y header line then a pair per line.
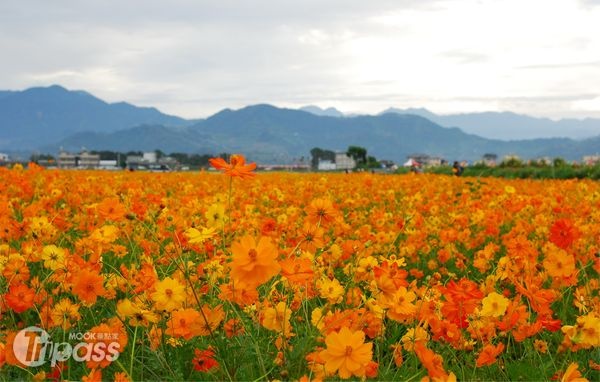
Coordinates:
x,y
169,295
278,319
53,256
494,305
412,336
105,234
331,290
198,237
64,312
215,215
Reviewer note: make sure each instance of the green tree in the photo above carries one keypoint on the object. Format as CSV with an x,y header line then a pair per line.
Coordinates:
x,y
318,154
359,154
559,162
372,162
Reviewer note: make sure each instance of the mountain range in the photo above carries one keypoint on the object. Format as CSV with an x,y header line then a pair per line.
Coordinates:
x,y
39,116
495,125
47,119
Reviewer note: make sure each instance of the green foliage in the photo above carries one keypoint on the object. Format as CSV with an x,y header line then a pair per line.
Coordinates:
x,y
512,162
559,162
318,154
532,172
359,154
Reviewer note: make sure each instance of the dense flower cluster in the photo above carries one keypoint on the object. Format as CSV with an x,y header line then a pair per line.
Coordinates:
x,y
302,276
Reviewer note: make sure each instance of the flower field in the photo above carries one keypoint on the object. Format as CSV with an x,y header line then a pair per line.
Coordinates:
x,y
281,276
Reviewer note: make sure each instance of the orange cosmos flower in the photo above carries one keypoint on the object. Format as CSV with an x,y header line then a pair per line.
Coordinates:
x,y
297,271
347,353
572,374
254,263
239,293
20,297
278,319
16,270
184,323
233,327
321,211
311,237
121,377
88,285
111,209
540,346
434,363
210,319
400,305
563,233
558,263
94,376
2,355
236,167
461,300
113,336
488,354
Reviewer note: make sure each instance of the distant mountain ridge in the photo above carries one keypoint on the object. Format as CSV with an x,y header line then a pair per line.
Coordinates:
x,y
46,119
329,112
510,126
45,114
495,125
268,134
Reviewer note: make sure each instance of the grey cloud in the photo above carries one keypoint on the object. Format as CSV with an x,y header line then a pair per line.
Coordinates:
x,y
212,54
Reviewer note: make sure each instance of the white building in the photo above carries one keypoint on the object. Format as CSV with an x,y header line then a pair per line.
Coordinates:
x,y
591,160
326,165
108,164
344,162
82,160
3,157
149,157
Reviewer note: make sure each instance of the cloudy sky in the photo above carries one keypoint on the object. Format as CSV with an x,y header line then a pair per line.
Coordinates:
x,y
194,58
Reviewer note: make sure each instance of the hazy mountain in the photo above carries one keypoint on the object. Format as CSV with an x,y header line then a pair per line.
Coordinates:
x,y
268,134
4,93
48,118
329,112
39,116
139,138
507,125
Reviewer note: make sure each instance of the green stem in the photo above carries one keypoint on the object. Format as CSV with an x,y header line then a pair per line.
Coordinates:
x,y
132,351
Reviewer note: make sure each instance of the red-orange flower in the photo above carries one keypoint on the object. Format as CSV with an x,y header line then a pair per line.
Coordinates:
x,y
563,233
236,167
204,360
434,363
461,300
20,297
488,354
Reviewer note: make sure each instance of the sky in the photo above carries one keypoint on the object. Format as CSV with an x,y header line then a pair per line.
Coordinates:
x,y
192,58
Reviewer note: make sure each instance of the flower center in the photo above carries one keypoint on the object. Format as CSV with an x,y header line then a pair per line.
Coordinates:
x,y
348,351
252,254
